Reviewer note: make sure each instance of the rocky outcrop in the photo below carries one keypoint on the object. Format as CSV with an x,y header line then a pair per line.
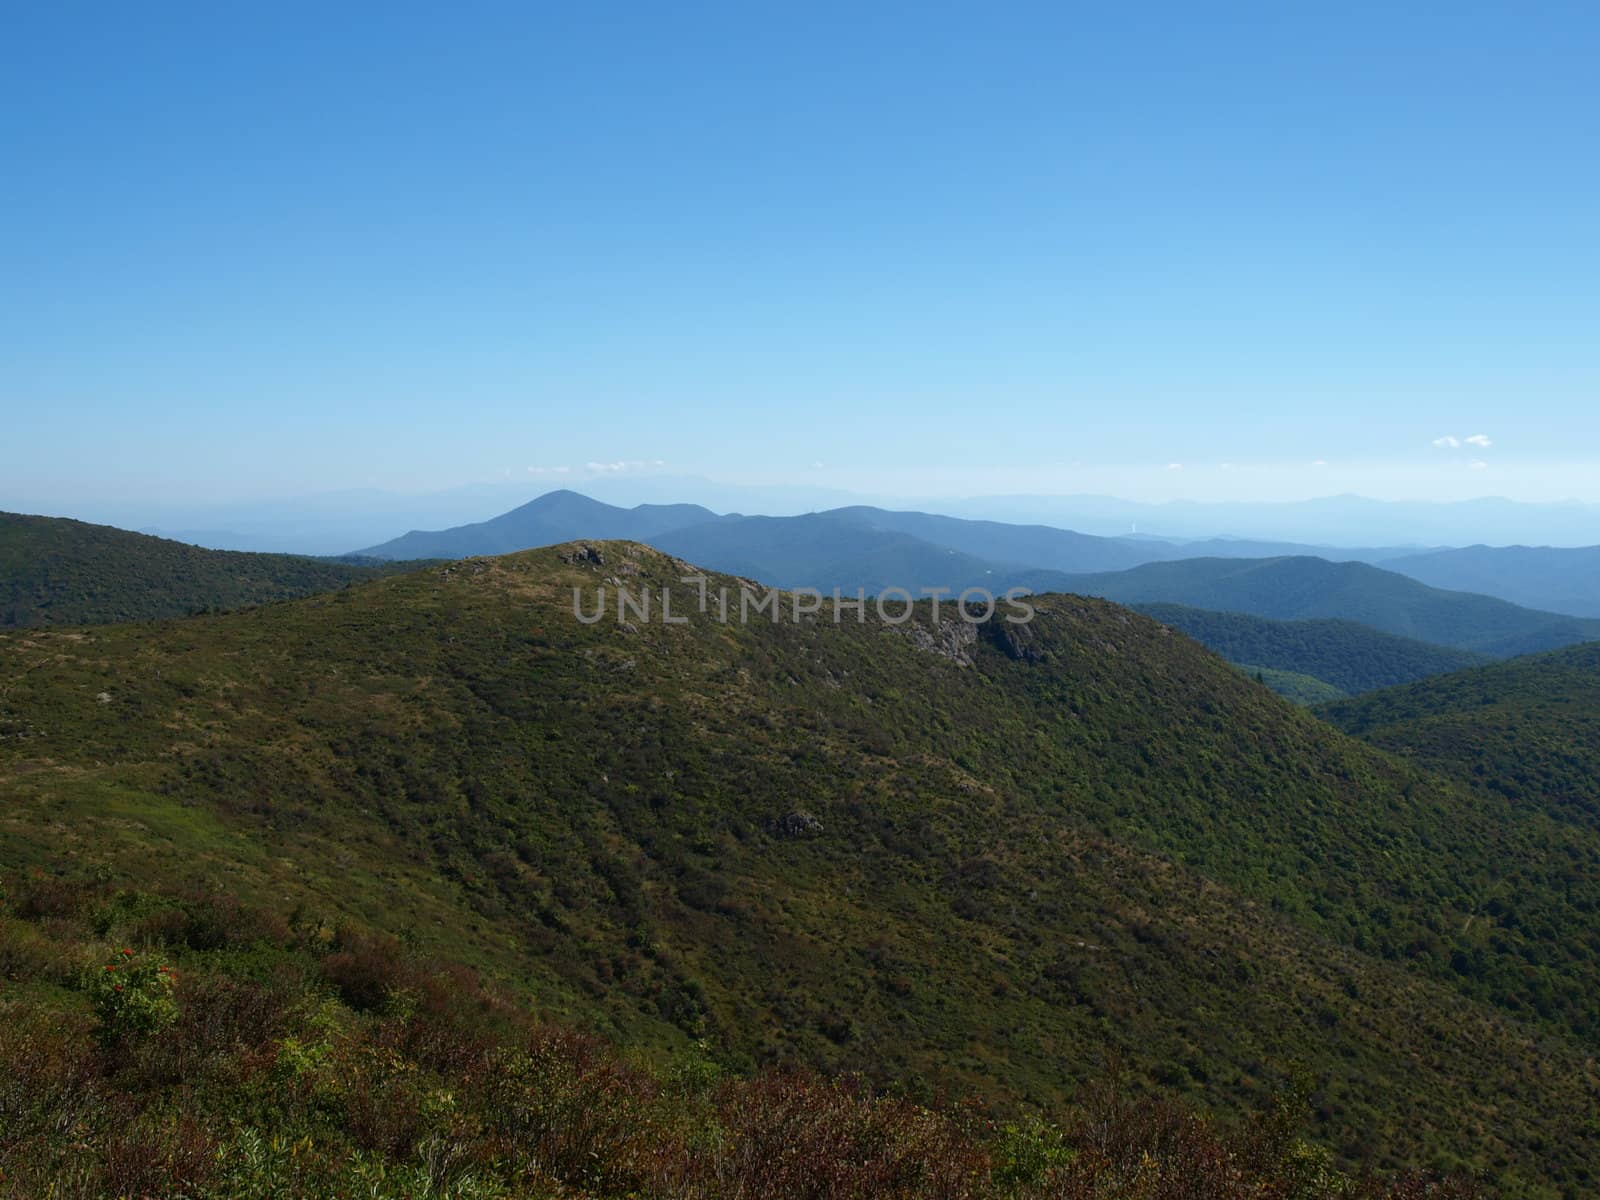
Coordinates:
x,y
952,639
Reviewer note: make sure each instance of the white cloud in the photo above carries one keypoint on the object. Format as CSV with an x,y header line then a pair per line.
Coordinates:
x,y
1321,462
1480,441
1447,442
548,470
628,464
1477,464
1174,466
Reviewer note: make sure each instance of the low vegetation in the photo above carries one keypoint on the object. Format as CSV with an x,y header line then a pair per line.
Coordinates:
x,y
178,1045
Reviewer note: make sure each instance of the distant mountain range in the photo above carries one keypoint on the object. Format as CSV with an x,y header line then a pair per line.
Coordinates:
x,y
875,548
333,522
1301,588
549,519
55,571
1561,580
799,549
1336,520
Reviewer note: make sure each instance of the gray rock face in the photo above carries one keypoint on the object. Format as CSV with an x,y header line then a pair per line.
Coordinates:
x,y
583,553
952,639
795,824
1014,640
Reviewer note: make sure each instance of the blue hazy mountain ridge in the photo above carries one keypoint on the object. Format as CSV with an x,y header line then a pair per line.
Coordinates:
x,y
559,516
770,547
333,522
1343,520
1299,588
825,551
874,548
1565,580
1053,548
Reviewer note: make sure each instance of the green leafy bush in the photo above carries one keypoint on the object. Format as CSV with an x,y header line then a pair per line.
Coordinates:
x,y
132,997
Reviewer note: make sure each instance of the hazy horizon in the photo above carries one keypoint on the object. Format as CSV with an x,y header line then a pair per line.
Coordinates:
x,y
344,520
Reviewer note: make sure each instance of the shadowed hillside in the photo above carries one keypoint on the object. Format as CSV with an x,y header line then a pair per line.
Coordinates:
x,y
1303,588
59,572
1342,654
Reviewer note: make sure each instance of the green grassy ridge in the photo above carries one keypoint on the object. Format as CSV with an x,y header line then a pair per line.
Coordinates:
x,y
1345,655
175,1043
55,571
1096,839
1527,729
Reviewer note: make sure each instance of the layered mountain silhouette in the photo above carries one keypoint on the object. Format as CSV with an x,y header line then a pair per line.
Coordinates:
x,y
873,549
798,543
1301,588
1558,579
554,517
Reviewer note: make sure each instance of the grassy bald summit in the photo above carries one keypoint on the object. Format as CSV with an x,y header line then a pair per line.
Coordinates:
x,y
55,571
963,858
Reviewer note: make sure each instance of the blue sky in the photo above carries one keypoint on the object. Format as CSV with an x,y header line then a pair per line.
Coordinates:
x,y
1254,251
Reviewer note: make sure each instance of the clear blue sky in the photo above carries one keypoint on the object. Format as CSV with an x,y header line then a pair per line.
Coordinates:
x,y
920,248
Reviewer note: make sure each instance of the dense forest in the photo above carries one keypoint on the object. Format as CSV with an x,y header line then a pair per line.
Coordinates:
x,y
1527,729
1344,655
55,571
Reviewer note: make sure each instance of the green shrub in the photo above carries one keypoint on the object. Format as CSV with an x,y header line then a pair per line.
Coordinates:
x,y
132,996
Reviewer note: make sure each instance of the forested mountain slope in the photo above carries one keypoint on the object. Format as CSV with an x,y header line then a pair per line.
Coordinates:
x,y
1302,588
1343,654
967,859
1527,729
55,571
